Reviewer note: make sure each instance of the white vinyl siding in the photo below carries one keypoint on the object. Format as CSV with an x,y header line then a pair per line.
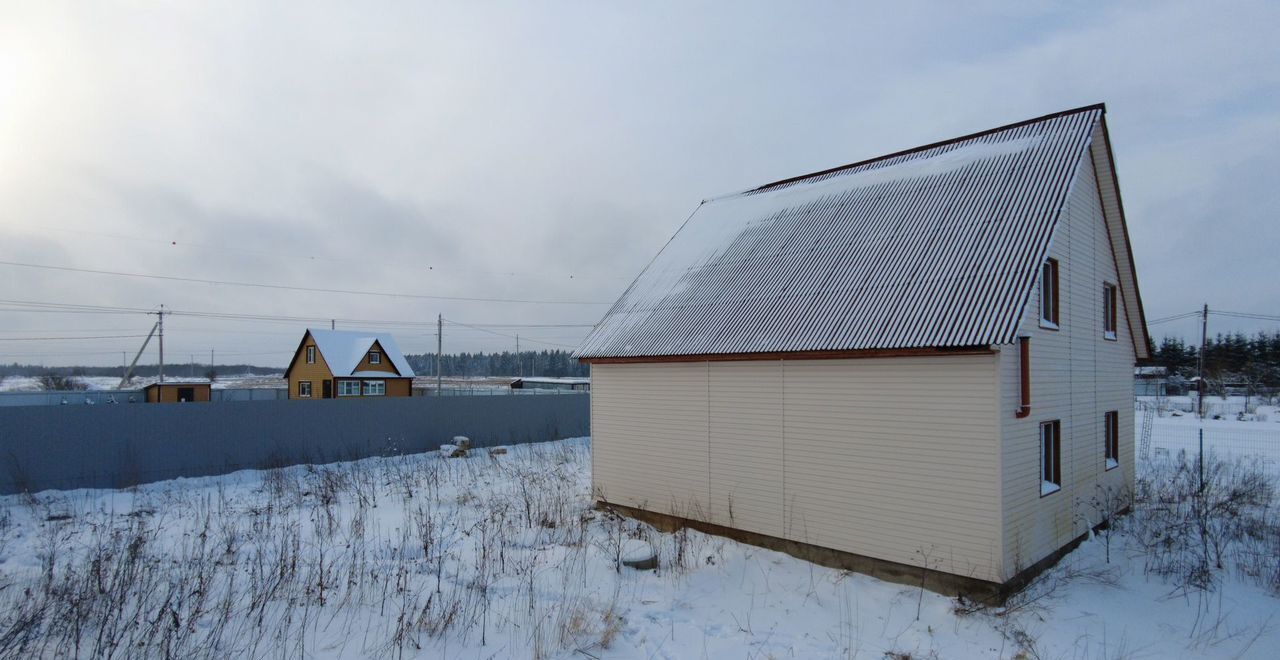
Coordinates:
x,y
1076,375
892,458
649,429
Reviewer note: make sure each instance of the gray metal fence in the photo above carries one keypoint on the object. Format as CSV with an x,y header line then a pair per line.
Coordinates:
x,y
70,398
43,447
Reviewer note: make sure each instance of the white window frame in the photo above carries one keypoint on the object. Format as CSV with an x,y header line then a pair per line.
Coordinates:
x,y
345,387
374,388
304,389
311,355
1050,431
1050,298
1110,310
375,357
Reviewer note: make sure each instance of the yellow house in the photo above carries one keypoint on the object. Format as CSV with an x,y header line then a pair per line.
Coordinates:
x,y
348,364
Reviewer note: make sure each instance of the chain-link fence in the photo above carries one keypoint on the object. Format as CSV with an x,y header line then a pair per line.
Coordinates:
x,y
1170,433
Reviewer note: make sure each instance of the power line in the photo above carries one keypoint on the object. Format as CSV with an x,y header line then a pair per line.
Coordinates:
x,y
169,242
1175,317
284,287
38,306
502,334
66,338
1247,315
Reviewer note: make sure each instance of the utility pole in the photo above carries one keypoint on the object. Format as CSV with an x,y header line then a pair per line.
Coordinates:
x,y
161,328
124,364
192,365
333,324
1200,388
439,350
211,358
519,360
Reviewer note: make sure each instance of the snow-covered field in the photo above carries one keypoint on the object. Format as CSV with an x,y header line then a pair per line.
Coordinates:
x,y
1227,439
495,556
230,381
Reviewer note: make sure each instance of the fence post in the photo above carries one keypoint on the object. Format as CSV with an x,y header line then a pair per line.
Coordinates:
x,y
1201,457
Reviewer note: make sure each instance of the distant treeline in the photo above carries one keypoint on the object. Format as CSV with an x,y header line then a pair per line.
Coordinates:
x,y
180,369
1233,358
551,364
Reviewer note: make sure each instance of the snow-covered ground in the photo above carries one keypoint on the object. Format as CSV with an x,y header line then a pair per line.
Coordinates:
x,y
495,556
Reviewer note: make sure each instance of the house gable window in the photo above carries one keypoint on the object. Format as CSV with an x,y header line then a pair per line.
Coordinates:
x,y
311,355
375,387
1111,435
1109,311
348,388
1049,294
304,389
375,357
1050,457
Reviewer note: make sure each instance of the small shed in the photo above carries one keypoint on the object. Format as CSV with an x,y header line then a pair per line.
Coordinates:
x,y
539,383
177,392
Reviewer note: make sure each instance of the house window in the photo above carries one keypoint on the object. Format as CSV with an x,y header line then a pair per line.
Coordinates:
x,y
1111,433
304,389
375,357
1050,457
348,388
1049,294
1024,377
375,387
1109,311
311,355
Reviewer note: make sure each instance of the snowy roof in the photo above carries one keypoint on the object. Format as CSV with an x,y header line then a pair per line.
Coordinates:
x,y
343,351
937,246
1150,371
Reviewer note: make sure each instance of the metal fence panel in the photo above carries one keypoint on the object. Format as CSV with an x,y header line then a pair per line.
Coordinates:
x,y
44,447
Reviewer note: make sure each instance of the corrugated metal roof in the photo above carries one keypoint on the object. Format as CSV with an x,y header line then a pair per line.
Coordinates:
x,y
933,247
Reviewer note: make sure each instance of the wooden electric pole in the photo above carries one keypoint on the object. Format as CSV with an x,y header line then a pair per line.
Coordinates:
x,y
439,350
160,326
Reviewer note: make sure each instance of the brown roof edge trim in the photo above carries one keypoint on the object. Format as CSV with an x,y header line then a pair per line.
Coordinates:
x,y
1128,246
302,342
989,131
793,355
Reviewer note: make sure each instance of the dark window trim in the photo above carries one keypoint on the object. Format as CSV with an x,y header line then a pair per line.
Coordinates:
x,y
375,357
307,395
1110,301
1049,277
1024,377
1052,451
311,355
1111,438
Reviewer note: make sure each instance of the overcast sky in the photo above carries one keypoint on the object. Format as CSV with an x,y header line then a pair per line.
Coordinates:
x,y
546,151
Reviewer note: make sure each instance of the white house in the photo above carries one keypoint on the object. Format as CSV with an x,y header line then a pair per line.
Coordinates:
x,y
918,366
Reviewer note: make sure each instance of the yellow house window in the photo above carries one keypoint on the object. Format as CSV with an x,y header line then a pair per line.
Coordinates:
x,y
375,357
311,355
348,388
304,389
375,387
